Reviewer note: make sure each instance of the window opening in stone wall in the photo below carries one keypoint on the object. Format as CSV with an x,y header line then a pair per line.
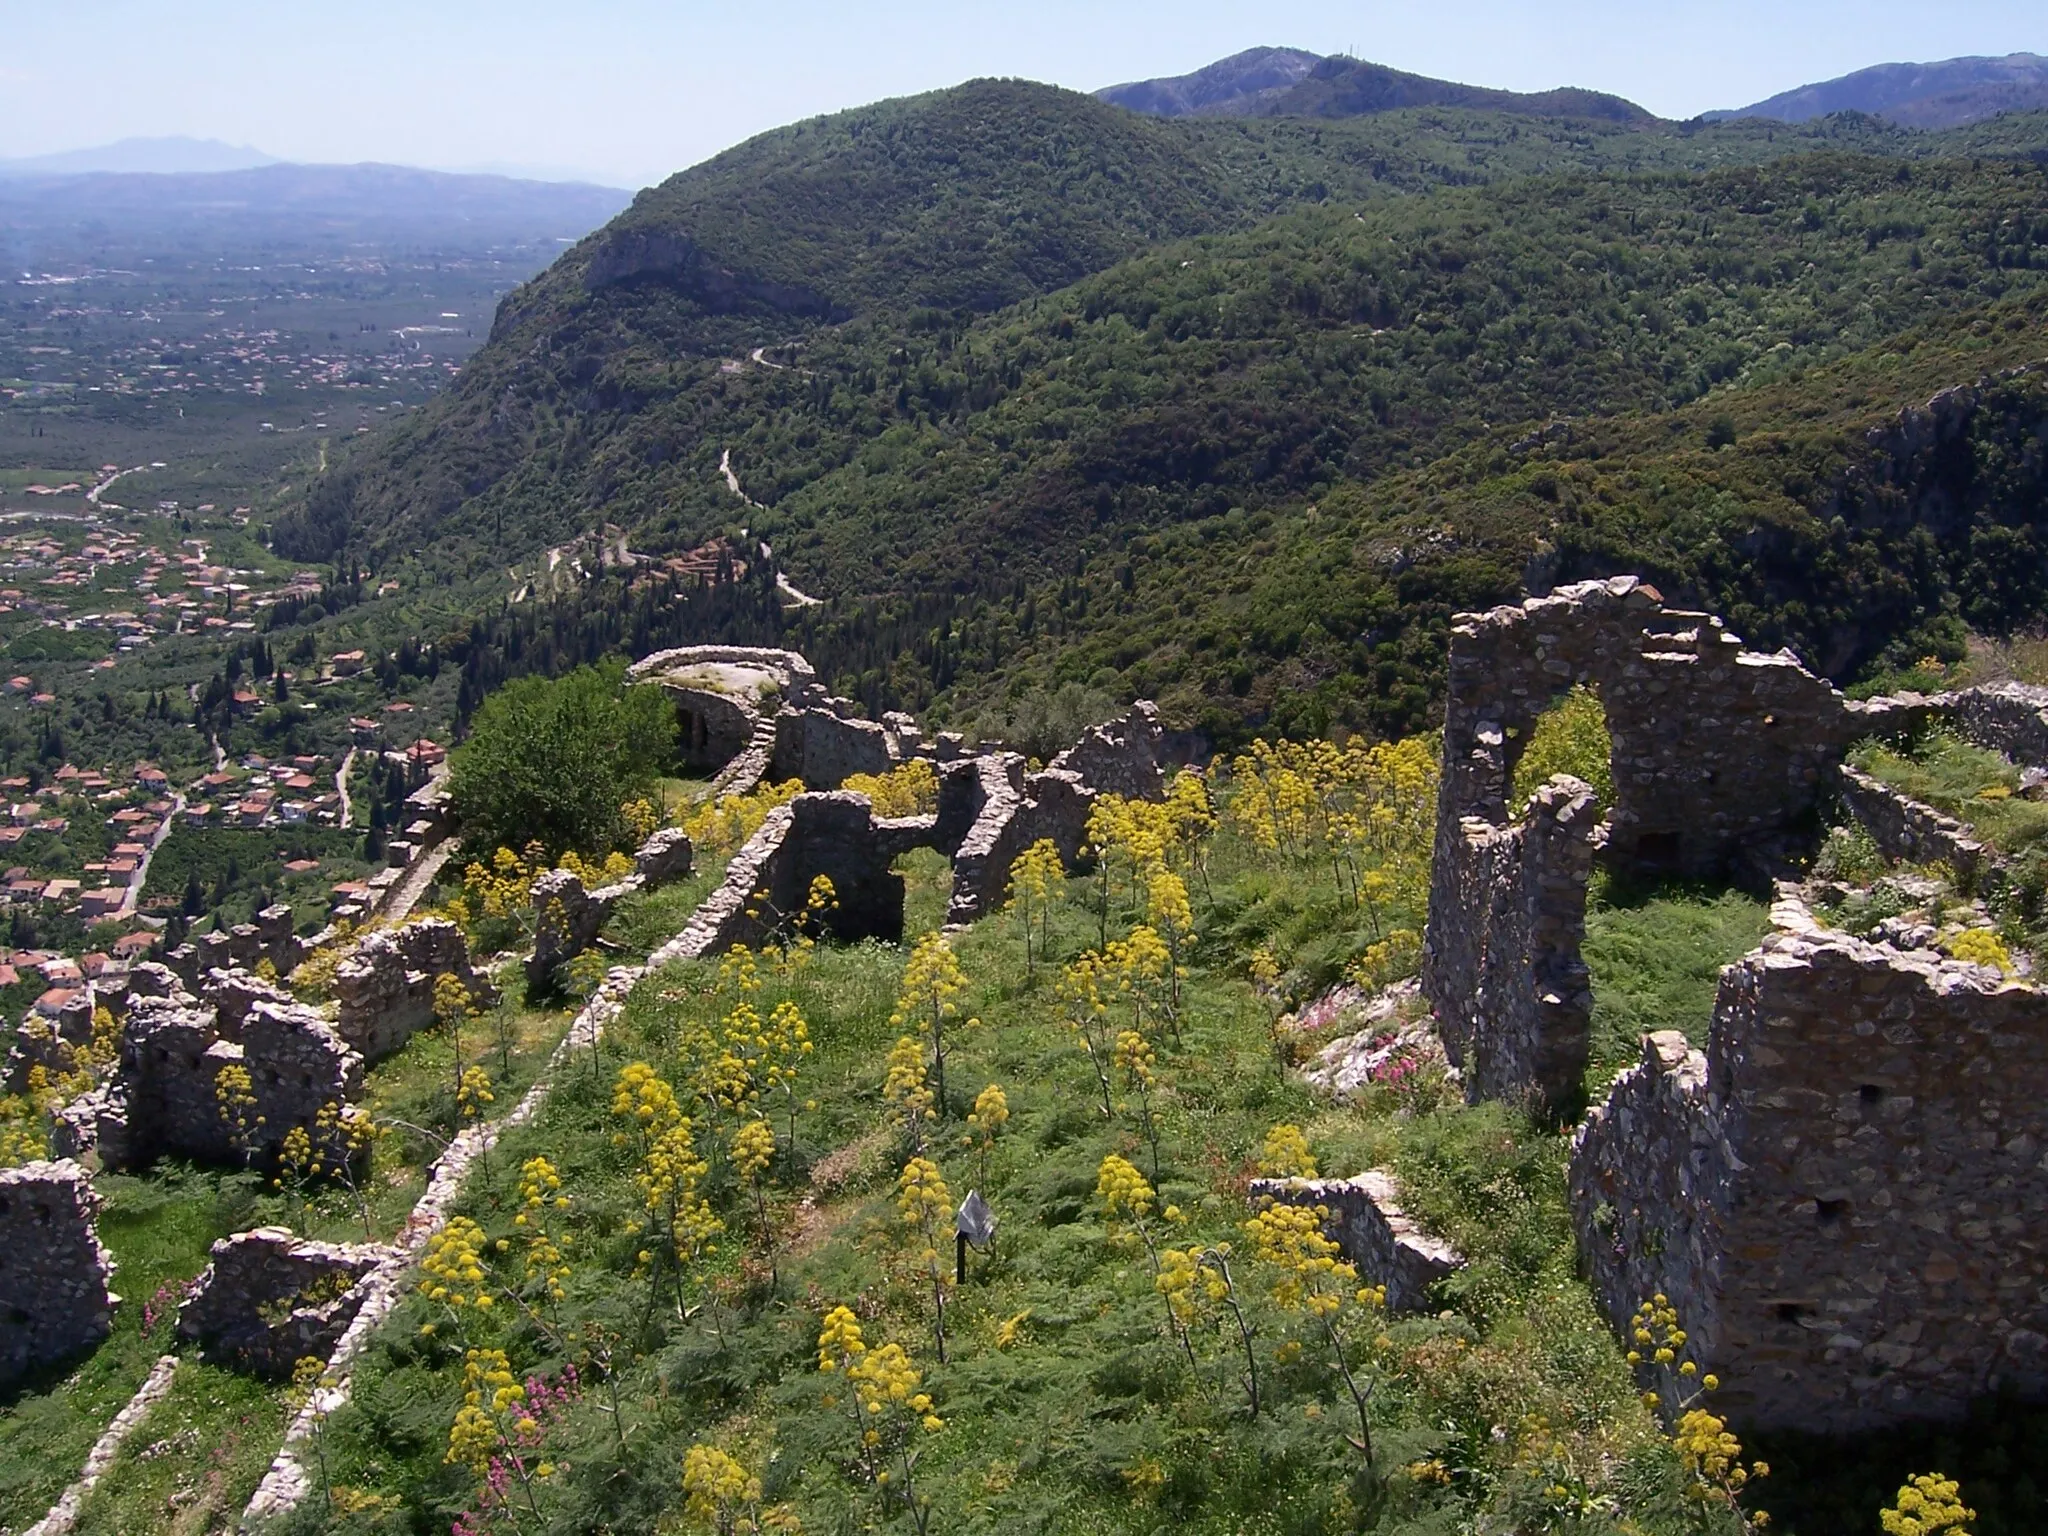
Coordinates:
x,y
1570,736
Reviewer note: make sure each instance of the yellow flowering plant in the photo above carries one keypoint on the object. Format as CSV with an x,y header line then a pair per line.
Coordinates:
x,y
1708,1453
929,999
925,1206
1036,880
1927,1505
985,1122
723,1496
1309,1276
884,1394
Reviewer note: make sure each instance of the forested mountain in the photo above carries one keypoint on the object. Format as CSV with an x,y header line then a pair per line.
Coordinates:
x,y
1232,87
1033,390
1942,95
1285,82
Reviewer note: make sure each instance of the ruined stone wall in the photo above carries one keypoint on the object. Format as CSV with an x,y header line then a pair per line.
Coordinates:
x,y
1903,828
1845,1196
161,1099
269,1299
1721,760
1013,810
2006,717
824,748
1121,756
54,1301
834,834
1367,1223
727,701
1513,998
386,984
1719,753
567,918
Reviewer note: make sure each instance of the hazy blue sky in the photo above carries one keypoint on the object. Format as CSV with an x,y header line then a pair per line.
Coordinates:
x,y
631,90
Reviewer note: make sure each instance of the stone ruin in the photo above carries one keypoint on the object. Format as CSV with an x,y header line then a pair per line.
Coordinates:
x,y
54,1301
386,983
989,811
1722,760
567,918
1845,1194
243,947
269,1299
161,1097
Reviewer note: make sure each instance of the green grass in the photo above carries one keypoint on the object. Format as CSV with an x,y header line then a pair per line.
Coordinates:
x,y
193,1463
1090,1419
1976,786
1656,961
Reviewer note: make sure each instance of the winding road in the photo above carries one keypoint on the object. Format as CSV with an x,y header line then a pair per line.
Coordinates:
x,y
789,589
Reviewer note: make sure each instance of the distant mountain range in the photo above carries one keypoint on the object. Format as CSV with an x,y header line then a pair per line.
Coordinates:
x,y
1942,95
179,156
53,218
1287,82
165,156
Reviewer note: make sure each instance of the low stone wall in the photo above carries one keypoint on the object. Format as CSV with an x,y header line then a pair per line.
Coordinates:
x,y
53,1272
567,918
1364,1218
1513,998
1844,1196
268,1299
1905,829
2006,717
386,984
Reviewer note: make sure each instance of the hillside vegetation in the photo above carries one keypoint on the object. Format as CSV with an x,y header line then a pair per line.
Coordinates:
x,y
1037,394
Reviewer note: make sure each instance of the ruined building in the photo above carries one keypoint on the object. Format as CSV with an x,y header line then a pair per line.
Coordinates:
x,y
989,811
1845,1194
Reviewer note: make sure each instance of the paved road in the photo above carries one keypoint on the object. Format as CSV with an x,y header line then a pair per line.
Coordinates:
x,y
341,785
141,875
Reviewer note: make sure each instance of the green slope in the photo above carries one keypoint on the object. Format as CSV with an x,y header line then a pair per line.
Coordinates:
x,y
928,210
1014,379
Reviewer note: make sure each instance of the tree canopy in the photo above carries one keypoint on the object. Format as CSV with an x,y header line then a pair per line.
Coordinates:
x,y
552,760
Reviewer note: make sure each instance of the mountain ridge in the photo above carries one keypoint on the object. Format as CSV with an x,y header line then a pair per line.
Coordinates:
x,y
170,154
1946,93
1288,82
